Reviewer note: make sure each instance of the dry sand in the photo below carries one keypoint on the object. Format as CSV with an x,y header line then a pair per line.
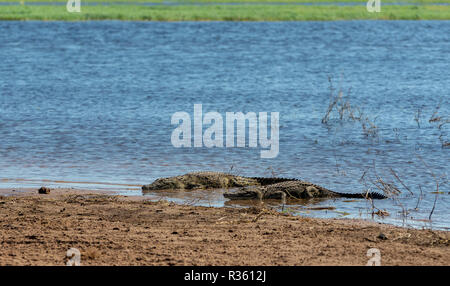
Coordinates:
x,y
38,229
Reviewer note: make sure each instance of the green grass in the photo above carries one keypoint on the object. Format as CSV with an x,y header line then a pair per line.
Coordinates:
x,y
224,13
236,1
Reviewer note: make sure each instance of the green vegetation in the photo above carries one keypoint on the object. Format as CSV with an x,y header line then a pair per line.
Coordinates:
x,y
231,1
218,12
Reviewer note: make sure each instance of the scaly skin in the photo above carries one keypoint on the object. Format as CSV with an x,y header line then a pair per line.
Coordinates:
x,y
251,187
294,189
201,180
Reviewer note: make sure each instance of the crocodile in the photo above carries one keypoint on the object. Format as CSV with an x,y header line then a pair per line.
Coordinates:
x,y
209,180
294,189
252,187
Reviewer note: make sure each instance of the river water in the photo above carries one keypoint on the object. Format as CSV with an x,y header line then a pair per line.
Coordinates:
x,y
89,105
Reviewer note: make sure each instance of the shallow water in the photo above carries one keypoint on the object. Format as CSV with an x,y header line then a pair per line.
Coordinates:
x,y
89,104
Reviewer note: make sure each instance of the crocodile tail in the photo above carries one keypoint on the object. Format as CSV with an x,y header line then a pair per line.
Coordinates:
x,y
375,195
268,181
369,195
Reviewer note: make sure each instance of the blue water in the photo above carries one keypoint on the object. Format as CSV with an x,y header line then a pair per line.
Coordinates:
x,y
92,102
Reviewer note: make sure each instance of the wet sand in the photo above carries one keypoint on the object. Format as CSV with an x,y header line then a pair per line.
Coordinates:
x,y
38,229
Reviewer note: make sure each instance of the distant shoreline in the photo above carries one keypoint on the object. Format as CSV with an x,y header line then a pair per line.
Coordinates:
x,y
218,12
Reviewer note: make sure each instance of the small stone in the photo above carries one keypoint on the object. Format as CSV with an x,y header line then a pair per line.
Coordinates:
x,y
382,236
44,190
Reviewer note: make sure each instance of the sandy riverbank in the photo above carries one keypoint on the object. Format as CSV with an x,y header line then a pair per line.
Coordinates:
x,y
117,230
